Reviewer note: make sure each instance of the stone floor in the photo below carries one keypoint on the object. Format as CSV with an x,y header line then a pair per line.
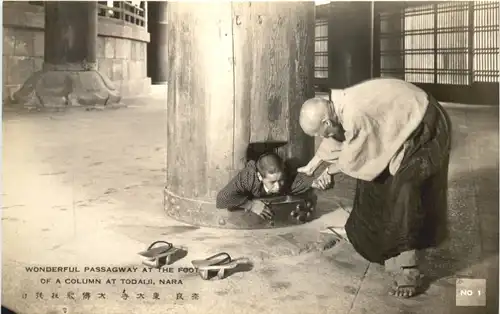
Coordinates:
x,y
84,188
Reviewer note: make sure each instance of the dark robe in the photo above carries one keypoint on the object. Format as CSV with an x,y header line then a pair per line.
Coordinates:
x,y
406,211
246,186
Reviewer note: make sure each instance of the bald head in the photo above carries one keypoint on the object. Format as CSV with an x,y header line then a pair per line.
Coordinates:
x,y
313,112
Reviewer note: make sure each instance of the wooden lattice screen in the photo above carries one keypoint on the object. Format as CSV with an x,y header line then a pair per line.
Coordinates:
x,y
321,50
453,43
486,43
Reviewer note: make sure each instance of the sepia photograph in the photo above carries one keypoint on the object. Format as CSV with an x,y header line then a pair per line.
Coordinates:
x,y
264,157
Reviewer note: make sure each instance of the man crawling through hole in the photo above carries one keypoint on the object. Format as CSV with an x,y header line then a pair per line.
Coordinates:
x,y
267,176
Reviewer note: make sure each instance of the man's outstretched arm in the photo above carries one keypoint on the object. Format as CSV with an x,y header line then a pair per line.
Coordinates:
x,y
302,183
236,193
328,151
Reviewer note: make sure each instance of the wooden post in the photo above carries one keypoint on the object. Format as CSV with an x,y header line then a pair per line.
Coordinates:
x,y
145,14
350,49
238,73
157,48
70,76
70,35
123,10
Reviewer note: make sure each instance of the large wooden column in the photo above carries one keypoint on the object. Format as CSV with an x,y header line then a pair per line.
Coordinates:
x,y
69,75
238,74
349,49
157,47
71,35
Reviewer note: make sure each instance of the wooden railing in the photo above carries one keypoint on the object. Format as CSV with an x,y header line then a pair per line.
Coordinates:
x,y
120,10
125,11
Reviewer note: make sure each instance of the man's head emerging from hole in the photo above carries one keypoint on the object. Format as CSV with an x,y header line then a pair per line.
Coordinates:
x,y
271,172
317,118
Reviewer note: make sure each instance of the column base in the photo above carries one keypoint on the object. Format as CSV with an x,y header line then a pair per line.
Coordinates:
x,y
48,88
204,214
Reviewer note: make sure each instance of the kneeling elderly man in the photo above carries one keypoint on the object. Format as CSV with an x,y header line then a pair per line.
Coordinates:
x,y
394,138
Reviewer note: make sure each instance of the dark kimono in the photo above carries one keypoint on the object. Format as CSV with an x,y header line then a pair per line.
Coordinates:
x,y
246,186
406,211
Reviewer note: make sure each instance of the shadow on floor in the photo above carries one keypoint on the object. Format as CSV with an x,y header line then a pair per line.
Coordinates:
x,y
7,311
474,201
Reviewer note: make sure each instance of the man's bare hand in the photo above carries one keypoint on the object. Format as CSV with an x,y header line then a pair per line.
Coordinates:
x,y
261,209
308,171
324,181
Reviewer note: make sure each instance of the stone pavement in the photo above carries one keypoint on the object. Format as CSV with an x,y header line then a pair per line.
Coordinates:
x,y
84,188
